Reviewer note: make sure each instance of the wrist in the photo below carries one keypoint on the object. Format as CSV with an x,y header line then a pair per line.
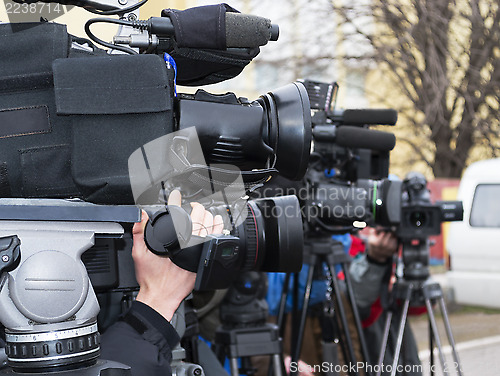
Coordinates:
x,y
165,306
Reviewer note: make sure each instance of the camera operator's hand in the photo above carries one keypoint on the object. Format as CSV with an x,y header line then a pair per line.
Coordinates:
x,y
163,285
381,245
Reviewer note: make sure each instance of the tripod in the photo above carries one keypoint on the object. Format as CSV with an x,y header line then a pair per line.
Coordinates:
x,y
319,250
414,289
245,332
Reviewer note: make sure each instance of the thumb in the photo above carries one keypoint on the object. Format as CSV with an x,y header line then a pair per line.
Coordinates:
x,y
138,229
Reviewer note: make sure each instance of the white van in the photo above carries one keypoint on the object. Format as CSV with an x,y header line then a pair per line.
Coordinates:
x,y
474,243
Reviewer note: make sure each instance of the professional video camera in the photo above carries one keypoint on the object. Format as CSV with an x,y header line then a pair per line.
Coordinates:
x,y
350,167
346,182
74,135
420,217
74,118
347,177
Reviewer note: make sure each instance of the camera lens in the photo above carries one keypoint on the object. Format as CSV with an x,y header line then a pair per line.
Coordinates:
x,y
272,131
289,123
272,235
418,219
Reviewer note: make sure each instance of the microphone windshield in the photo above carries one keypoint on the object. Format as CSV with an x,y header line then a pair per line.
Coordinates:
x,y
355,137
370,117
247,31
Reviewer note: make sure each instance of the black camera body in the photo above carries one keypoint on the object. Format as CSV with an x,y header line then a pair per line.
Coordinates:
x,y
74,134
72,117
347,176
420,218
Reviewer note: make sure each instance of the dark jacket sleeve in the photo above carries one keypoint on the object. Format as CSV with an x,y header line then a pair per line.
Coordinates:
x,y
141,339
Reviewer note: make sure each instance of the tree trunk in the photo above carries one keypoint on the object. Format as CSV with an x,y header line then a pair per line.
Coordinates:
x,y
446,166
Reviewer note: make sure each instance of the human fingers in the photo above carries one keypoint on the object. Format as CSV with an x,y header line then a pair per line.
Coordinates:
x,y
175,198
139,227
138,235
208,222
218,225
197,215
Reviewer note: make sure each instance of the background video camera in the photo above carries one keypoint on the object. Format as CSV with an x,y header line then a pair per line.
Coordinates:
x,y
347,176
420,217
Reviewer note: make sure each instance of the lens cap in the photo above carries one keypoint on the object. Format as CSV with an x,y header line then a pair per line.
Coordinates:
x,y
168,230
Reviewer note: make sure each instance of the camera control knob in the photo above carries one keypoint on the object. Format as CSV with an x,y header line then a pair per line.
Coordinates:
x,y
10,253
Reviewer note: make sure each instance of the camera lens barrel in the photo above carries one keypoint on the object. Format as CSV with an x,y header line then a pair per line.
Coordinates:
x,y
289,115
273,131
279,233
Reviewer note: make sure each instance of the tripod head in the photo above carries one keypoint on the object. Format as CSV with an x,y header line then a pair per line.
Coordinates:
x,y
47,303
244,303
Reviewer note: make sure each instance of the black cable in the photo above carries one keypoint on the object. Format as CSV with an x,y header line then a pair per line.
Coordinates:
x,y
334,230
104,43
118,10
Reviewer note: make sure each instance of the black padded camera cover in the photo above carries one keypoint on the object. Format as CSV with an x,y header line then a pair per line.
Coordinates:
x,y
200,46
70,120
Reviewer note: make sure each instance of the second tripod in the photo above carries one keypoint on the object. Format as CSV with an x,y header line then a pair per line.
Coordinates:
x,y
323,251
416,289
244,332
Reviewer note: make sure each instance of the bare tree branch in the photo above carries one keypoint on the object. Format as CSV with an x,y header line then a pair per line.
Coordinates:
x,y
444,56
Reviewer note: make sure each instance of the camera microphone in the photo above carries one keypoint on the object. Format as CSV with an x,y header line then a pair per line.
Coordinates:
x,y
242,31
246,31
354,137
365,117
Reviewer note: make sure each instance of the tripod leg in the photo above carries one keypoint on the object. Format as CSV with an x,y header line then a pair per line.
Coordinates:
x,y
450,335
401,330
233,362
385,340
342,315
307,294
295,309
431,347
330,356
357,319
274,364
281,310
277,365
281,322
435,333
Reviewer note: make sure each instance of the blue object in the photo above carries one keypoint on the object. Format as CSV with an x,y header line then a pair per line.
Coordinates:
x,y
330,173
170,63
318,289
